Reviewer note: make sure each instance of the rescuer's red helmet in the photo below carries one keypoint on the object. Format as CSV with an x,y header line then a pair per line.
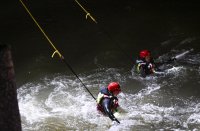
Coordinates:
x,y
144,53
114,87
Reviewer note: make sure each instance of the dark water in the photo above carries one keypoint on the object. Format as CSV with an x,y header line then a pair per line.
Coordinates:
x,y
51,98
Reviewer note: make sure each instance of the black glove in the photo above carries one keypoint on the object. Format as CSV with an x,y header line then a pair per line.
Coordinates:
x,y
114,98
115,119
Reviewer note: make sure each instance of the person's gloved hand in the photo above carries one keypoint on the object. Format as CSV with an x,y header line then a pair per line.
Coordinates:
x,y
115,123
115,120
150,66
114,98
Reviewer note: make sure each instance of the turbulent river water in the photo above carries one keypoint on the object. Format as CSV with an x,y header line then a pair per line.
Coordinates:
x,y
168,101
51,98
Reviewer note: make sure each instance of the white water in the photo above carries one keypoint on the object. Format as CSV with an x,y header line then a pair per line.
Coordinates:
x,y
61,103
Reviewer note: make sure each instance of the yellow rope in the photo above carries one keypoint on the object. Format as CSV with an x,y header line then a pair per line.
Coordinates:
x,y
56,51
87,13
51,43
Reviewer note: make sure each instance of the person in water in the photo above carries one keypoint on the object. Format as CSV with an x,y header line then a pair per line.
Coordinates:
x,y
107,101
145,64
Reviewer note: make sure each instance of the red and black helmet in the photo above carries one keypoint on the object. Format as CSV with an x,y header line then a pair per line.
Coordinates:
x,y
144,53
114,86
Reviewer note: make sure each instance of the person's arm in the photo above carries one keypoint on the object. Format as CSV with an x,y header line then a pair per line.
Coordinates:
x,y
106,103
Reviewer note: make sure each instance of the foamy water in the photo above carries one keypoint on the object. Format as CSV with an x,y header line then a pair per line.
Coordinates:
x,y
60,102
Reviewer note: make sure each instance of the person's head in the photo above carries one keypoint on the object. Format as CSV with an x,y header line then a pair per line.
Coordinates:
x,y
145,55
114,88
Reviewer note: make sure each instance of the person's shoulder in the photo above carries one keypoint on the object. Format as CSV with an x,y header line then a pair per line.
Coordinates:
x,y
103,89
139,61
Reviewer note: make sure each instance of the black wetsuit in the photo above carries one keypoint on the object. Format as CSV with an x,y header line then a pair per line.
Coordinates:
x,y
145,68
107,104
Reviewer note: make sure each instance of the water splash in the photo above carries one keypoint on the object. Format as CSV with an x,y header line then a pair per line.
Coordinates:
x,y
60,102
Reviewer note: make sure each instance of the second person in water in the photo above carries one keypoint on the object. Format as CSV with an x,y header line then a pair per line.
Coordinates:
x,y
145,64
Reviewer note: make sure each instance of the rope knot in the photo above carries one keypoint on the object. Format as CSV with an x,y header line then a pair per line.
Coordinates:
x,y
88,14
57,52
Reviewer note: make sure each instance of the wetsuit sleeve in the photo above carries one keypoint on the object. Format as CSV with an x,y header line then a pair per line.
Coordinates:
x,y
106,103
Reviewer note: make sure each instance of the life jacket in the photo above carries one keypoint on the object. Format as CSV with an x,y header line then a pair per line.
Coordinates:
x,y
104,93
146,67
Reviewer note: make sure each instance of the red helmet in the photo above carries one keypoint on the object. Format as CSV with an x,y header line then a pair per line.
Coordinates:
x,y
144,53
114,86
